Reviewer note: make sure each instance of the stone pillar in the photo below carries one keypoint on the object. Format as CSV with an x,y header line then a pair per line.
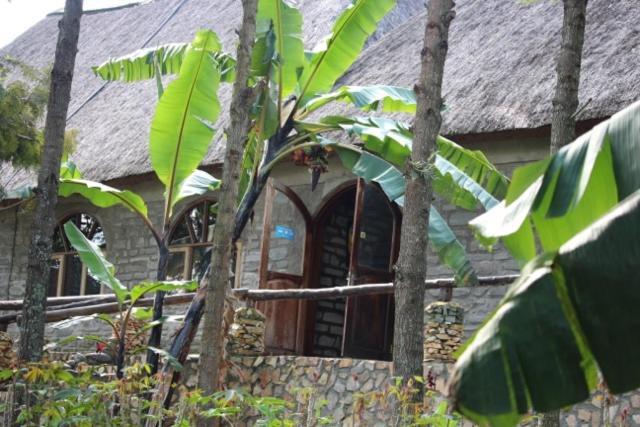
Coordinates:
x,y
246,333
442,331
7,353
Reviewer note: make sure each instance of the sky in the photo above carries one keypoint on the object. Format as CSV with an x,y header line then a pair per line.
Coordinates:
x,y
16,16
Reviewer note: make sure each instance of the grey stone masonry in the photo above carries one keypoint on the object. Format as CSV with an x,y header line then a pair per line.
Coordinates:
x,y
442,330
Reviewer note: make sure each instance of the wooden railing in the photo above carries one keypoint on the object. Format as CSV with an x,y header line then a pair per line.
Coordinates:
x,y
61,308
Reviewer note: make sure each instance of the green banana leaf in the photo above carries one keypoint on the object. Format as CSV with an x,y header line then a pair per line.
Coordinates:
x,y
265,126
198,183
180,136
561,196
368,98
91,256
285,22
442,239
102,195
69,170
263,51
450,251
571,312
392,139
139,290
333,57
142,64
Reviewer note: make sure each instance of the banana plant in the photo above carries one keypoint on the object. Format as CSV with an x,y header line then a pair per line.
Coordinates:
x,y
180,135
284,104
104,272
570,315
292,84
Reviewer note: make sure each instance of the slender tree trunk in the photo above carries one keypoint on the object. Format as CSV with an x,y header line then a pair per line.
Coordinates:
x,y
161,274
35,301
212,337
411,270
565,100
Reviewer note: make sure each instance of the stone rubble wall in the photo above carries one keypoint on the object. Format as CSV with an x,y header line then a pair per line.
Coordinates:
x,y
442,330
341,382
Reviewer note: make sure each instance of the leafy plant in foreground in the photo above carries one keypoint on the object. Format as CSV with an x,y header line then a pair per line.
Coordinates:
x,y
570,316
104,272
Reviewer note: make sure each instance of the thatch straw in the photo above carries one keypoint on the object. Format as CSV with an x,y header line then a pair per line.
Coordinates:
x,y
499,73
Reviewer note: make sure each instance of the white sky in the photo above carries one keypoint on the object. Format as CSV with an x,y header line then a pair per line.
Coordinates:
x,y
16,16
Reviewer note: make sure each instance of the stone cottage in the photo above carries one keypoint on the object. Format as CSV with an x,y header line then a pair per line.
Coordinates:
x,y
498,84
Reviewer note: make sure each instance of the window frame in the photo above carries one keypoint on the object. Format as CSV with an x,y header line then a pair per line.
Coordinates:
x,y
188,248
61,257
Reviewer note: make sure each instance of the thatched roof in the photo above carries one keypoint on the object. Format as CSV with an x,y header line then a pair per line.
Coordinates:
x,y
114,121
500,68
499,73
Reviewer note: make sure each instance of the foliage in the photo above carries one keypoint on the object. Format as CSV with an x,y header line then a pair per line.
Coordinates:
x,y
180,134
143,64
22,105
564,320
289,86
86,396
104,272
554,199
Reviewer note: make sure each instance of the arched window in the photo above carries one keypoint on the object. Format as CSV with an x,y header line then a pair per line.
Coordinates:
x,y
68,275
190,239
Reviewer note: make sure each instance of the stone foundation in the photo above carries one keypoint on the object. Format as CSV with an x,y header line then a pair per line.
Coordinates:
x,y
341,388
442,331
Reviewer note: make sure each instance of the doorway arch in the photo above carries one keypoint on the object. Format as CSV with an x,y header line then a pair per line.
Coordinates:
x,y
356,235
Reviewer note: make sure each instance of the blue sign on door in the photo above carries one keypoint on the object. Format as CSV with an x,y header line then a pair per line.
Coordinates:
x,y
284,232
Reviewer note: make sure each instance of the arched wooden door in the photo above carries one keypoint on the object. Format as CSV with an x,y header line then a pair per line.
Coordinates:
x,y
355,242
284,265
368,326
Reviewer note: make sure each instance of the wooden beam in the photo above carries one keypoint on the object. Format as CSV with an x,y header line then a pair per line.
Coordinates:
x,y
16,304
109,307
345,291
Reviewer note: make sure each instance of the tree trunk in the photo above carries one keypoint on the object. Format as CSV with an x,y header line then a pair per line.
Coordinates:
x,y
32,327
411,270
212,338
161,275
565,100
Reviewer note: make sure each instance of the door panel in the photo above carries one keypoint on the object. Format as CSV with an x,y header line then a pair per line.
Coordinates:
x,y
368,330
283,262
281,328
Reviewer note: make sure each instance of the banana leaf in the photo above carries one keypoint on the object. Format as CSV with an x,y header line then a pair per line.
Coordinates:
x,y
391,140
91,256
198,183
180,136
139,290
442,239
69,170
333,57
143,64
102,195
570,313
561,196
368,98
284,21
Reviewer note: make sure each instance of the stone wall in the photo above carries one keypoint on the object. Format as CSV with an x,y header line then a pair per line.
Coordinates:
x,y
342,382
334,269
